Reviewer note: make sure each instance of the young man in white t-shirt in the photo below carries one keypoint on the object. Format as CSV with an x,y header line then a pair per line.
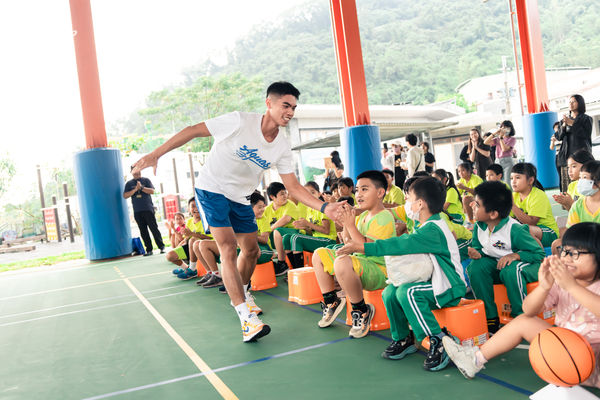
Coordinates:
x,y
246,145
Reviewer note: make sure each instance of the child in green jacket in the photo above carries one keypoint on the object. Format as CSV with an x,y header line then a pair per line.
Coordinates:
x,y
411,303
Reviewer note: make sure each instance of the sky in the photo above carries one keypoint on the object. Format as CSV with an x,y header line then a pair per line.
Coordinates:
x,y
141,46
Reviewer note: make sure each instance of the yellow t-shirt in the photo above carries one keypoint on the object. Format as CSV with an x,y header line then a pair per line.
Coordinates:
x,y
195,227
472,183
303,210
579,212
317,217
380,226
263,226
537,204
289,208
459,231
455,206
572,191
394,195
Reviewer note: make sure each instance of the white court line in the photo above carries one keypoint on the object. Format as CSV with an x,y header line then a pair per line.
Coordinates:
x,y
92,309
212,377
82,303
522,346
78,286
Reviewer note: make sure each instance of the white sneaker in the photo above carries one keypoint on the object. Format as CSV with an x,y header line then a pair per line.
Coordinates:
x,y
252,305
462,356
253,328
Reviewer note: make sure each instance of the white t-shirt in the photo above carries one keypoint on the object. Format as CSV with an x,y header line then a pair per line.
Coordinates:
x,y
240,156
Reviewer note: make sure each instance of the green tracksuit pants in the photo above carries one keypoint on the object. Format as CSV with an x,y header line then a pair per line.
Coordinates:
x,y
266,253
411,303
483,274
299,242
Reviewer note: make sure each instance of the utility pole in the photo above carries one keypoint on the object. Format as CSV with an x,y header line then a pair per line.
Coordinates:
x,y
506,92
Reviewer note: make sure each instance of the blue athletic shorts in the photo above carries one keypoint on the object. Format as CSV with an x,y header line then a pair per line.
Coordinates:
x,y
218,211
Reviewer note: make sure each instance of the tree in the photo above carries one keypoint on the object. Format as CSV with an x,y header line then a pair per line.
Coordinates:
x,y
7,171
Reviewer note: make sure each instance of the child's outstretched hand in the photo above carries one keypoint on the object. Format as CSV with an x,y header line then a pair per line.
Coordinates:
x,y
561,274
473,254
507,259
545,278
351,247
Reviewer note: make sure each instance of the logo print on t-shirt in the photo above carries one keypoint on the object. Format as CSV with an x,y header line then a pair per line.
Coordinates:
x,y
499,245
251,154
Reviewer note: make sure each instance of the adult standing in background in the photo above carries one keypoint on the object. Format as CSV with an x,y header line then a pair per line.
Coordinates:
x,y
140,189
415,160
479,153
575,132
387,158
429,158
334,170
560,160
398,156
504,141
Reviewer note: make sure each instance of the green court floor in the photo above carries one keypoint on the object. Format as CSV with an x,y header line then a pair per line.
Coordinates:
x,y
83,333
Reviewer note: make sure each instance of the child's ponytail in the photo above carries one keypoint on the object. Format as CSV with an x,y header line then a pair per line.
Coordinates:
x,y
442,173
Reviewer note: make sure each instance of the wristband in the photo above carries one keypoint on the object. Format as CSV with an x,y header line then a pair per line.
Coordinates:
x,y
323,207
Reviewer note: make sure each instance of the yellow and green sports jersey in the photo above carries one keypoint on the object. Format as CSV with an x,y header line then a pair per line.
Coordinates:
x,y
394,195
460,232
572,191
472,183
263,226
455,206
303,210
580,212
399,213
537,204
195,227
289,208
380,226
317,217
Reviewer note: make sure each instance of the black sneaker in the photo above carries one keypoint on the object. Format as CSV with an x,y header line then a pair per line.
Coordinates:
x,y
148,253
222,289
162,251
280,268
437,359
213,281
397,350
203,279
493,325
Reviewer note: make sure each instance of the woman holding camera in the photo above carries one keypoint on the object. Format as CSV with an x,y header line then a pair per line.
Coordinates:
x,y
504,141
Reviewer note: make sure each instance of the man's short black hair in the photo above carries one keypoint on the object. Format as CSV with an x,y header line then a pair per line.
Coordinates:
x,y
421,174
274,188
426,145
432,191
388,172
495,196
411,138
376,177
191,199
256,197
496,168
346,181
282,88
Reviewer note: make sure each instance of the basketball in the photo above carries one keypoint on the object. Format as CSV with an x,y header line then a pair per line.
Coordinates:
x,y
561,357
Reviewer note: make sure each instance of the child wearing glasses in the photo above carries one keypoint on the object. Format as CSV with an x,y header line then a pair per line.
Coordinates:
x,y
569,283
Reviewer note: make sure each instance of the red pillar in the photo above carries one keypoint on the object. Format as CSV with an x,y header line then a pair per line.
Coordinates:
x,y
87,71
351,72
532,53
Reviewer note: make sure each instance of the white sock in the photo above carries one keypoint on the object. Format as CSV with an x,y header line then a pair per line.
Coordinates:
x,y
246,289
193,265
242,311
217,273
480,359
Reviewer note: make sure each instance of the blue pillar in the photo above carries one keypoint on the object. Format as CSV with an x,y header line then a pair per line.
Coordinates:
x,y
104,215
360,149
537,131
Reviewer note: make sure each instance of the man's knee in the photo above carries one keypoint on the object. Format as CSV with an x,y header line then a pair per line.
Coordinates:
x,y
251,252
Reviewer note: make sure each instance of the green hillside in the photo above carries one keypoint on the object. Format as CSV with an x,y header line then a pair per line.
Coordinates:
x,y
414,51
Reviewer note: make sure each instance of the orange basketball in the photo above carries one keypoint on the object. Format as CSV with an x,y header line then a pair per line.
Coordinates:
x,y
561,357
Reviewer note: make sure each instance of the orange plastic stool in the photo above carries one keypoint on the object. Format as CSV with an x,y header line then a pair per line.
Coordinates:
x,y
303,286
466,321
504,308
264,276
380,320
200,268
307,258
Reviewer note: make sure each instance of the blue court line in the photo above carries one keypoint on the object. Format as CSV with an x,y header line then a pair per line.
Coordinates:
x,y
216,370
388,339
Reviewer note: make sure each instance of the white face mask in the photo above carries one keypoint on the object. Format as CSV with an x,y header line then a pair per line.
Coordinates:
x,y
410,213
585,187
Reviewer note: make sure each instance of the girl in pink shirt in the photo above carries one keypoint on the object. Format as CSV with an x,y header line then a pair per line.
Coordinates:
x,y
570,284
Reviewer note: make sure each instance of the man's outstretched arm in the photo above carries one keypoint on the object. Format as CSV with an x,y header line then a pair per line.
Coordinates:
x,y
177,140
